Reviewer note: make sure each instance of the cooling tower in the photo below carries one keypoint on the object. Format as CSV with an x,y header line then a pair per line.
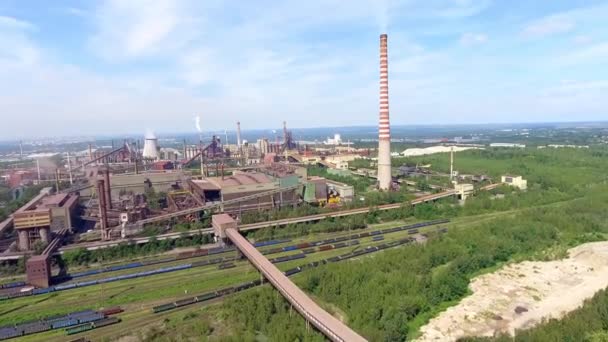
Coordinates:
x,y
384,128
150,147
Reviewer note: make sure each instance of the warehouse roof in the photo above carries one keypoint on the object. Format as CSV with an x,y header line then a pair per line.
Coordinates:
x,y
242,179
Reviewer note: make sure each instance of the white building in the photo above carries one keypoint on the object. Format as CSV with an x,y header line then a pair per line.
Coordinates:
x,y
507,145
412,152
516,181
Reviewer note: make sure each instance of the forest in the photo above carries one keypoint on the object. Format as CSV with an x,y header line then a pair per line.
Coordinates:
x,y
388,297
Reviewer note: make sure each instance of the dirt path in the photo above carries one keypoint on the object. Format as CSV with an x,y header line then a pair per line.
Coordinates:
x,y
521,295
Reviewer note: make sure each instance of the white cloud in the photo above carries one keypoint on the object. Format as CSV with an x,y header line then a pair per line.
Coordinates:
x,y
469,39
17,50
583,39
138,28
549,26
591,54
78,12
14,23
462,8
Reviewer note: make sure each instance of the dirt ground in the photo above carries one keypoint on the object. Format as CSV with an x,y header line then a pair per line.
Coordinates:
x,y
518,296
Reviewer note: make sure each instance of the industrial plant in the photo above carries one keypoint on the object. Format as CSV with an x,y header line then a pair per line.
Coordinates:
x,y
148,188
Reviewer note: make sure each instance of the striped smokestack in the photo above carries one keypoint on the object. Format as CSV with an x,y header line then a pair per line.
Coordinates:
x,y
384,128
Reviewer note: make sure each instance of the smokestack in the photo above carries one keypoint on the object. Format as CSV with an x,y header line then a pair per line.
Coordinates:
x,y
103,215
384,128
57,180
107,188
38,169
238,134
284,131
70,169
20,149
452,163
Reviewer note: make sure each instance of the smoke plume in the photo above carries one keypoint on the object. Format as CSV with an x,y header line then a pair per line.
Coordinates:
x,y
197,123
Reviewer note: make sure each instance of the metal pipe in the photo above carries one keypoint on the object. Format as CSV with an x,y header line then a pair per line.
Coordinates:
x,y
200,146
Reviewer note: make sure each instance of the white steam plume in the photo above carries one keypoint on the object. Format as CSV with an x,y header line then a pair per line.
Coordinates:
x,y
197,123
381,8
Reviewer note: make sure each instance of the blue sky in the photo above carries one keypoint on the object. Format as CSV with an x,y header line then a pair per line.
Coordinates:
x,y
124,66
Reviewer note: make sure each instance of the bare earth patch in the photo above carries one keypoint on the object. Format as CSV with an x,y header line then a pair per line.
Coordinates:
x,y
521,295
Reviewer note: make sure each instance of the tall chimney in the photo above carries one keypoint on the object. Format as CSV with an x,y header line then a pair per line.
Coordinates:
x,y
107,188
239,142
284,132
452,163
384,128
103,214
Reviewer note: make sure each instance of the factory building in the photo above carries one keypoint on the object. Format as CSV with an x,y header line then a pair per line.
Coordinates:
x,y
219,189
49,213
169,153
138,183
345,191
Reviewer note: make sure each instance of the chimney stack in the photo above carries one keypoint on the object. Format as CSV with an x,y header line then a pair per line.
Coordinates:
x,y
284,131
384,128
103,214
239,142
107,188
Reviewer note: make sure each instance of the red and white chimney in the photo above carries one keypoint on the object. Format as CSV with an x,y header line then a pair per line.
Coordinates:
x,y
384,128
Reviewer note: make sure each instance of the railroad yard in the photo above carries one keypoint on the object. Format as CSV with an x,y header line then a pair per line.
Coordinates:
x,y
202,277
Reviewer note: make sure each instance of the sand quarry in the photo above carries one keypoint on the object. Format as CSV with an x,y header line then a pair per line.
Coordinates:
x,y
518,296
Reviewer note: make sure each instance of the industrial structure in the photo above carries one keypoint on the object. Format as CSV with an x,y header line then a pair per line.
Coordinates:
x,y
226,229
42,216
151,148
384,128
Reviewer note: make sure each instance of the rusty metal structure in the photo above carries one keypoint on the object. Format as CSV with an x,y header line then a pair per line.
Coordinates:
x,y
288,141
103,210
